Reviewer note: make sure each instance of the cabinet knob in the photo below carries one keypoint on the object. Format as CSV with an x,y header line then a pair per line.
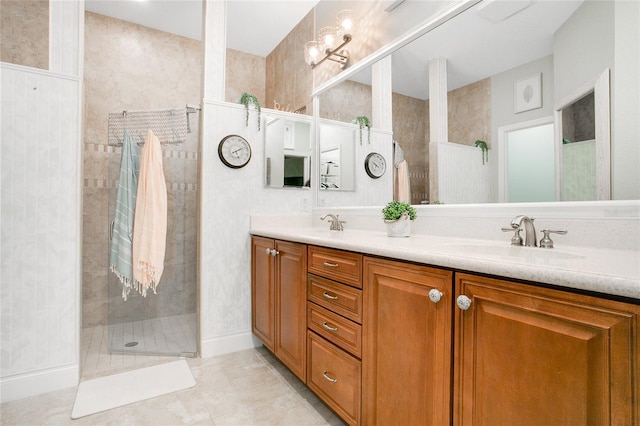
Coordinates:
x,y
435,295
268,252
329,378
463,302
274,252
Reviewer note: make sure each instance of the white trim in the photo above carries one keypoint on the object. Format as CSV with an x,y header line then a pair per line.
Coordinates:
x,y
39,71
602,93
503,185
228,343
38,382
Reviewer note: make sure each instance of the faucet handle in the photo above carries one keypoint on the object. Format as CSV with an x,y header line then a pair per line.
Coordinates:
x,y
516,240
546,242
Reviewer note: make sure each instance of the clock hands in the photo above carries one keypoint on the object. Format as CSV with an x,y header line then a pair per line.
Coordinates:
x,y
235,151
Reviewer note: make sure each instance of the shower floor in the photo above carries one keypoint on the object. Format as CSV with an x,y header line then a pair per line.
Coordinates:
x,y
159,340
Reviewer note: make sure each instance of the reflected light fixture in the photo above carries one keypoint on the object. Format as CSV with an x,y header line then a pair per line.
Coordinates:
x,y
316,52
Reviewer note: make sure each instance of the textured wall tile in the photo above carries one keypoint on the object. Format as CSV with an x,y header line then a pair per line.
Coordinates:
x,y
128,66
25,32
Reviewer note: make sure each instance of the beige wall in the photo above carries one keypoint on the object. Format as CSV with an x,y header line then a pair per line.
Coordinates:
x,y
244,73
469,113
289,78
346,101
130,67
411,131
24,32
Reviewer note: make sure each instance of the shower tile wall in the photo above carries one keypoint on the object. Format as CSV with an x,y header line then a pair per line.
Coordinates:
x,y
25,32
469,113
411,131
128,66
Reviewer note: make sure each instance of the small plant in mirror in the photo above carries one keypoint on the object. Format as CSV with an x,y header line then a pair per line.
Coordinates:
x,y
485,150
395,209
362,122
246,99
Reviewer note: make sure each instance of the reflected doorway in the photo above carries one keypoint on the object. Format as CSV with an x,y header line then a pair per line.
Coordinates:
x,y
526,166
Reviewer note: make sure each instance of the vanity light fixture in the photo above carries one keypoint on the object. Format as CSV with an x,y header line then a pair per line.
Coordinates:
x,y
327,40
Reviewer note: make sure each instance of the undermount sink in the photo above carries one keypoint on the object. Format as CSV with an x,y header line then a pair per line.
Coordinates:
x,y
495,250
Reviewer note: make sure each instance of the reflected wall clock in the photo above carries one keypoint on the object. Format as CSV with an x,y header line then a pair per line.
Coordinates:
x,y
375,165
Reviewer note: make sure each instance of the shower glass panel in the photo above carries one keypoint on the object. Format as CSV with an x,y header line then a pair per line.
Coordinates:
x,y
162,323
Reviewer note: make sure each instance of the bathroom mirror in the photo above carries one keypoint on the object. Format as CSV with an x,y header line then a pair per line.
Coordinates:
x,y
337,156
287,141
547,38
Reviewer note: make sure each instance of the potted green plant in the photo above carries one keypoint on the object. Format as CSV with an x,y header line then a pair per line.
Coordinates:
x,y
246,99
362,122
485,149
398,216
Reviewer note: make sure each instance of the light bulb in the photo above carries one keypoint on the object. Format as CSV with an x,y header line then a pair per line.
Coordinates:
x,y
345,22
311,52
328,37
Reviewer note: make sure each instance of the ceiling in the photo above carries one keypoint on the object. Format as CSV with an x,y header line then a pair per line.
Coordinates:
x,y
249,32
475,46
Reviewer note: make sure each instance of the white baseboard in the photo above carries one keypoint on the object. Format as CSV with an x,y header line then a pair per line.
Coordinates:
x,y
37,382
228,343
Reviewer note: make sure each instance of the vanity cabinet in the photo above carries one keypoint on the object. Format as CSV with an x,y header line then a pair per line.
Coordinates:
x,y
528,355
334,370
278,300
386,342
407,351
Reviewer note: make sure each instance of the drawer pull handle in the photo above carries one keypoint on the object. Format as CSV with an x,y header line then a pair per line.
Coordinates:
x,y
329,378
331,265
328,296
328,327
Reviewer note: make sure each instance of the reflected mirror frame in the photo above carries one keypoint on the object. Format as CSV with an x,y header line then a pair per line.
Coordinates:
x,y
273,116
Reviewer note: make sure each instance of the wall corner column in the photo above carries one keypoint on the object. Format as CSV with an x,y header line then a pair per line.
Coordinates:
x,y
381,90
438,128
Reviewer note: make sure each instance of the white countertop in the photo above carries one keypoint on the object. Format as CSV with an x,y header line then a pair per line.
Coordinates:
x,y
608,271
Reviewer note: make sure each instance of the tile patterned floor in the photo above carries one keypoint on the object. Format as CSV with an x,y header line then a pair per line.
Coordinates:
x,y
245,388
171,335
168,335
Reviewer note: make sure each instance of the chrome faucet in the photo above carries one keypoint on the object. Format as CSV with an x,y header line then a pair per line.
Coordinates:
x,y
335,222
529,229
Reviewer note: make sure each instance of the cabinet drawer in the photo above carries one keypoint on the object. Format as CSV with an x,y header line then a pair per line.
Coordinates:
x,y
335,376
336,265
338,330
336,297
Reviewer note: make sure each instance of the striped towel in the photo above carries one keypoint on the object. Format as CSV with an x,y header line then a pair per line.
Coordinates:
x,y
150,230
122,234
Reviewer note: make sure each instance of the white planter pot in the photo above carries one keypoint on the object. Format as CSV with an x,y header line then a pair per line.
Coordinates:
x,y
400,227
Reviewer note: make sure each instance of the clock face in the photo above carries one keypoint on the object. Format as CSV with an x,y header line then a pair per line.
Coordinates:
x,y
375,165
234,151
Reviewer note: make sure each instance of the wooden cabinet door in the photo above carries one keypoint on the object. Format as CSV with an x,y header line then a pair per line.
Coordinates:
x,y
528,355
407,343
291,306
263,322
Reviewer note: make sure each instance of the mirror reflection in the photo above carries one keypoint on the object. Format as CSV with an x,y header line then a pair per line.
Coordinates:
x,y
489,83
337,157
579,150
287,151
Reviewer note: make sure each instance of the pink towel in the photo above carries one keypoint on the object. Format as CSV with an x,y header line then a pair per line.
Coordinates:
x,y
150,220
402,187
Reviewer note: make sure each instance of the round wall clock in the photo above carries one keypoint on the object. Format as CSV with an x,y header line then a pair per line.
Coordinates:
x,y
375,165
234,151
